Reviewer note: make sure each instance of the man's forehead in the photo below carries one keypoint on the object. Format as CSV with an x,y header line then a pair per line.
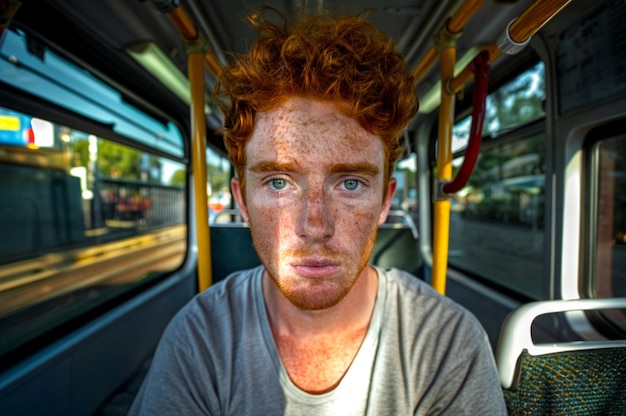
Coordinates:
x,y
300,111
305,127
306,151
309,132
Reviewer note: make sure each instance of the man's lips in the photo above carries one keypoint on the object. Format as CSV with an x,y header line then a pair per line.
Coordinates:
x,y
315,267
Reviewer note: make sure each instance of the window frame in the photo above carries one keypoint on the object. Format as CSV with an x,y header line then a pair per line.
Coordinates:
x,y
589,224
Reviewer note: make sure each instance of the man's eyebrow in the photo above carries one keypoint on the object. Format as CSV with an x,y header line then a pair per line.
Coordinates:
x,y
364,168
274,166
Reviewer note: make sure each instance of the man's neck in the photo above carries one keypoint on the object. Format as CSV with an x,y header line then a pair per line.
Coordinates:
x,y
352,313
318,347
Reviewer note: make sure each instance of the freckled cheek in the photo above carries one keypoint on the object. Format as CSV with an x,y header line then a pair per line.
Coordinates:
x,y
274,219
266,235
355,221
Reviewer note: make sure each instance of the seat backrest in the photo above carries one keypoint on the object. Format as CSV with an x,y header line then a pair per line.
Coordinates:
x,y
564,378
231,249
397,244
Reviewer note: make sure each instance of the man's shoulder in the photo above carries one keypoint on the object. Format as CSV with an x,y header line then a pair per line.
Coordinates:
x,y
405,282
415,296
226,297
235,284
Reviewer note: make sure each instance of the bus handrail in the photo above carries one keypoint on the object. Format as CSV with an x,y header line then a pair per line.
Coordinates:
x,y
188,30
407,221
480,67
516,335
518,31
233,212
453,26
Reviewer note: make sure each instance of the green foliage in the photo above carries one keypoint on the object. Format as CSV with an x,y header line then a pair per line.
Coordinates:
x,y
118,161
80,149
178,178
218,178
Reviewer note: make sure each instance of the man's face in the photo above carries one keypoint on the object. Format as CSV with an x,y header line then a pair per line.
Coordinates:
x,y
314,198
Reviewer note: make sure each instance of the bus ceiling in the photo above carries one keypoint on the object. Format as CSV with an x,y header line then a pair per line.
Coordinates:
x,y
148,30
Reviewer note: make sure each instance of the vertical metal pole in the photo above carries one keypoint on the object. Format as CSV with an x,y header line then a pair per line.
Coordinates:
x,y
444,172
198,163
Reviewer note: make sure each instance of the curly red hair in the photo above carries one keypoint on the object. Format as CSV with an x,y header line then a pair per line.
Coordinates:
x,y
332,58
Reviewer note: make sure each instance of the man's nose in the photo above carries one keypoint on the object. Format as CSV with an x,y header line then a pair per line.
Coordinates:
x,y
316,222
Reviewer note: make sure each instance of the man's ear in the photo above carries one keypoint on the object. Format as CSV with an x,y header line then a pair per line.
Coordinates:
x,y
239,197
390,192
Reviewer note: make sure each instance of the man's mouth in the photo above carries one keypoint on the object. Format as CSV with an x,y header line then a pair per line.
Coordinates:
x,y
314,267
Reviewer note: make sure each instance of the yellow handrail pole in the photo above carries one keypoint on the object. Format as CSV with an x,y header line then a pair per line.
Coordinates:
x,y
454,25
195,63
519,31
183,23
212,64
534,18
457,83
425,64
189,31
196,59
441,228
462,15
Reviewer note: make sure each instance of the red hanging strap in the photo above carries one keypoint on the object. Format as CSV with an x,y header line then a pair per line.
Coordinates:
x,y
480,68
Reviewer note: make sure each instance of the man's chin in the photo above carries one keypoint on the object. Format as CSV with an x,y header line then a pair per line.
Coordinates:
x,y
315,297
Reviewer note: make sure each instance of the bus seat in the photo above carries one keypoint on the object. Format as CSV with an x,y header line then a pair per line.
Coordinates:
x,y
232,249
397,244
562,378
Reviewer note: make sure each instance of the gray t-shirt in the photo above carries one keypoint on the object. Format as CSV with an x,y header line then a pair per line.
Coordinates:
x,y
423,354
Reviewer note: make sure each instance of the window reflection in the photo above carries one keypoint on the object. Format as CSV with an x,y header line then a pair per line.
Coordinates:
x,y
497,221
508,183
83,219
514,104
610,264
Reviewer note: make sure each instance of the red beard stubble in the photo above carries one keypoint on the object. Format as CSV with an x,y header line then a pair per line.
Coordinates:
x,y
311,294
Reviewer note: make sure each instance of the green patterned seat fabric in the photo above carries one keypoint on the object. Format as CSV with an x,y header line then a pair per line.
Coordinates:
x,y
587,382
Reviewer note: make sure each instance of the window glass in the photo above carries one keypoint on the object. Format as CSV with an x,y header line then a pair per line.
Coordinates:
x,y
83,219
610,233
406,188
218,186
497,220
514,104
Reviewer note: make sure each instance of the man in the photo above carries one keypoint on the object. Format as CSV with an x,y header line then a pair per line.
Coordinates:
x,y
312,128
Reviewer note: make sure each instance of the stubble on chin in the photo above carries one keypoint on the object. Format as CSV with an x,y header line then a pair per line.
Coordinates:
x,y
310,294
314,294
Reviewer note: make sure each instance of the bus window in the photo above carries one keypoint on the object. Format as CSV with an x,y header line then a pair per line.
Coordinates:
x,y
406,190
497,220
218,184
73,215
515,104
88,214
610,229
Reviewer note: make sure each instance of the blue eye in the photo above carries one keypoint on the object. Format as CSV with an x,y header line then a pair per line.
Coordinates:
x,y
278,183
351,184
